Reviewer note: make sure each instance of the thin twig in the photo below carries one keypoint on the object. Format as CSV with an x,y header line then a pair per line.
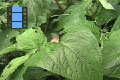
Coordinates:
x,y
60,7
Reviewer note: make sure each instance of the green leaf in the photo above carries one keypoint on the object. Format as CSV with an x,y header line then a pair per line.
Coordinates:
x,y
12,66
75,17
5,37
115,4
114,1
34,73
44,75
37,10
108,13
105,15
8,49
18,73
111,55
106,5
116,26
76,57
30,40
3,7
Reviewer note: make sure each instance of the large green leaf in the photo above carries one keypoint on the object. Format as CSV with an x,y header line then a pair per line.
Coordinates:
x,y
37,10
111,55
116,26
76,57
12,66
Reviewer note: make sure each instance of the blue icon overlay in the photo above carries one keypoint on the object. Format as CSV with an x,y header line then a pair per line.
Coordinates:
x,y
17,17
16,24
16,9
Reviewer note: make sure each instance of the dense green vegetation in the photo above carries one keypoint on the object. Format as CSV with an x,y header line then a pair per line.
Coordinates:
x,y
65,40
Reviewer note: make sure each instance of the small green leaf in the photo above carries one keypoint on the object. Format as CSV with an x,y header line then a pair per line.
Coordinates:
x,y
111,55
5,37
31,40
105,15
8,49
106,5
115,4
18,73
12,66
116,26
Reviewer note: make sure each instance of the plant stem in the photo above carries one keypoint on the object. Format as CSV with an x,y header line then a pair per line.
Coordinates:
x,y
60,7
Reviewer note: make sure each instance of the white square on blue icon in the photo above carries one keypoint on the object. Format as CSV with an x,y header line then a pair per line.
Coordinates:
x,y
16,16
16,24
16,9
